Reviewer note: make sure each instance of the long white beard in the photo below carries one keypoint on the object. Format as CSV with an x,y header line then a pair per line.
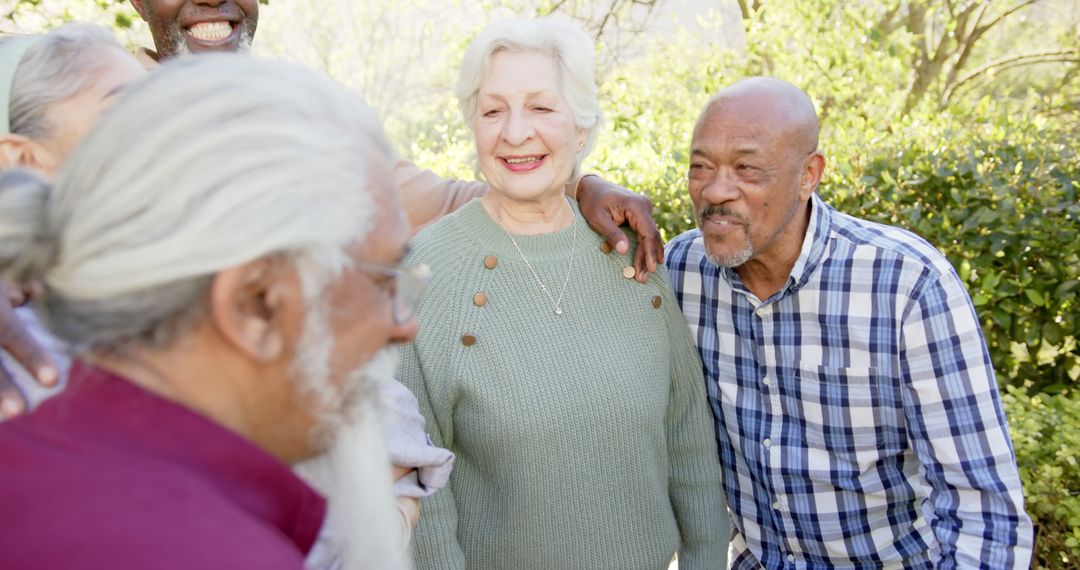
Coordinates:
x,y
363,528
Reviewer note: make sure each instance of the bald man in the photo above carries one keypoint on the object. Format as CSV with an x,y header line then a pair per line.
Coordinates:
x,y
857,412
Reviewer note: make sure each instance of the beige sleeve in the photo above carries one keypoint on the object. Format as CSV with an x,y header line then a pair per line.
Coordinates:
x,y
427,197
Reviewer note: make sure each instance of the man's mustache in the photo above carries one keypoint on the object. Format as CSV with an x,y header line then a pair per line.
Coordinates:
x,y
715,210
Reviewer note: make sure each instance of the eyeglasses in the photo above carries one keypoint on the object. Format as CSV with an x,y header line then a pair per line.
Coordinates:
x,y
409,286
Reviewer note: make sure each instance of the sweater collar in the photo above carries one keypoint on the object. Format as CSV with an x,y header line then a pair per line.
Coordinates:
x,y
474,221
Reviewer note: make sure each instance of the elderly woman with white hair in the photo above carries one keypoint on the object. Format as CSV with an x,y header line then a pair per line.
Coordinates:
x,y
571,394
53,88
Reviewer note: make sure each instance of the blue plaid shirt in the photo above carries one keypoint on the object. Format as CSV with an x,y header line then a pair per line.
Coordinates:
x,y
857,413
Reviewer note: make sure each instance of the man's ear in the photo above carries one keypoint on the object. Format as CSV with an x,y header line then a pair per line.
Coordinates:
x,y
140,8
17,151
258,307
813,169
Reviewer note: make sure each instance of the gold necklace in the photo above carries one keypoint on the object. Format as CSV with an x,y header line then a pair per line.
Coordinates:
x,y
557,303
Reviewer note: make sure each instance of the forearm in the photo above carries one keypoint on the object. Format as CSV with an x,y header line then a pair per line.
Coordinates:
x,y
426,197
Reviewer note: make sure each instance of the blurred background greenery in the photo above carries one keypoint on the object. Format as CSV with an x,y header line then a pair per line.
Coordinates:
x,y
957,119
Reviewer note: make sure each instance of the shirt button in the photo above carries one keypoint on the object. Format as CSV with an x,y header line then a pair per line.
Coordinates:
x,y
776,505
491,262
479,299
767,442
766,381
791,558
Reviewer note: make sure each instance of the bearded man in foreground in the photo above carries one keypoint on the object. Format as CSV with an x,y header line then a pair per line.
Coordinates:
x,y
227,276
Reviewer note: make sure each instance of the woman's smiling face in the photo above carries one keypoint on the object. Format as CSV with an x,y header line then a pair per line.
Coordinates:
x,y
526,140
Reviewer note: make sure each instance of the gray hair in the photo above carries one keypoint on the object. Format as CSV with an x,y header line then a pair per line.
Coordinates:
x,y
571,49
211,162
58,66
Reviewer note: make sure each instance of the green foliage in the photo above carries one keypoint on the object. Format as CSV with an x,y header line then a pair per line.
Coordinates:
x,y
646,142
997,193
1046,434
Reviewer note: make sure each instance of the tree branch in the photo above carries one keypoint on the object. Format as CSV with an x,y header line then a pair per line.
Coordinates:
x,y
607,16
966,44
1003,15
889,22
551,10
949,8
1030,58
745,10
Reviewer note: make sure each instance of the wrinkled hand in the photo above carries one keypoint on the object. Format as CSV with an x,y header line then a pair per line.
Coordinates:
x,y
606,206
21,345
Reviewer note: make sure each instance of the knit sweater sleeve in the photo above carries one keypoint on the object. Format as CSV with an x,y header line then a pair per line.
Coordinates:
x,y
697,494
434,544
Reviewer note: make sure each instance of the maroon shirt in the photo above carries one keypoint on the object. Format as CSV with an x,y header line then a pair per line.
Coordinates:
x,y
108,475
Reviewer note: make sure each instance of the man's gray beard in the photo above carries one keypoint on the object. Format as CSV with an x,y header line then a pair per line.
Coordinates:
x,y
247,35
362,528
732,260
177,42
735,259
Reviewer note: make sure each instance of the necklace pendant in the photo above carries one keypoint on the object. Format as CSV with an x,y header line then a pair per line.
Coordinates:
x,y
558,310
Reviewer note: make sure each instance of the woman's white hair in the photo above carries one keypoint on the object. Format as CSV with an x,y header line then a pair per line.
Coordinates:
x,y
570,48
209,163
59,65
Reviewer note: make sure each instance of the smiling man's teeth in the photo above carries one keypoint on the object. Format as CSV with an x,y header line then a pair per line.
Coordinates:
x,y
210,31
521,160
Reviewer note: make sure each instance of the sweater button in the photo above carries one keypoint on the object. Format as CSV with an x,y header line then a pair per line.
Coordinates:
x,y
468,340
657,301
491,262
629,272
479,299
605,247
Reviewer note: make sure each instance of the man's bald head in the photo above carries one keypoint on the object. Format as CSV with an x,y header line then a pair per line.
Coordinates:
x,y
773,102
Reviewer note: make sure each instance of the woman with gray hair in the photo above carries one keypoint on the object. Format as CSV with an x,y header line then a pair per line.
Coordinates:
x,y
571,394
53,87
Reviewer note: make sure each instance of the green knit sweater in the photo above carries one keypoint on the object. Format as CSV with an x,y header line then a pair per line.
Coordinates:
x,y
583,440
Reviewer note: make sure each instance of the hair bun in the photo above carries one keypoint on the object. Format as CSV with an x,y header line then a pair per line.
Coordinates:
x,y
27,247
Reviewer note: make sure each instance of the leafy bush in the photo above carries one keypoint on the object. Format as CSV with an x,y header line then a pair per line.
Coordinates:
x,y
1046,435
998,195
